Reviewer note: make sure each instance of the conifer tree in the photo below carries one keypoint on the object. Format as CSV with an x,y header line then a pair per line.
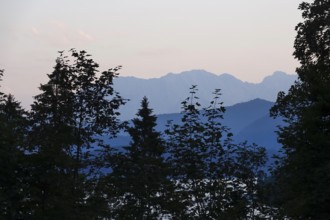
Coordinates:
x,y
303,172
140,177
13,174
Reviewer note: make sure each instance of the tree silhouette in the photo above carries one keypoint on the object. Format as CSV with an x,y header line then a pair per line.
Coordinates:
x,y
213,176
303,172
140,176
13,174
75,109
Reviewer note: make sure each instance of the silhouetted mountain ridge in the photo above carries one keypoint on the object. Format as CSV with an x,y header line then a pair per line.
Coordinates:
x,y
167,92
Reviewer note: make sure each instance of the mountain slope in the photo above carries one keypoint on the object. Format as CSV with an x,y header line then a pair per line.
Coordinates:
x,y
166,93
262,132
249,121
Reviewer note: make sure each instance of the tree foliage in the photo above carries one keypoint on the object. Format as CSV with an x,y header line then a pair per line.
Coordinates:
x,y
76,110
62,166
214,177
303,172
13,173
139,175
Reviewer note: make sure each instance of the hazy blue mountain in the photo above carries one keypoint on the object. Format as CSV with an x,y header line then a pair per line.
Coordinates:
x,y
236,117
262,132
241,115
166,93
249,121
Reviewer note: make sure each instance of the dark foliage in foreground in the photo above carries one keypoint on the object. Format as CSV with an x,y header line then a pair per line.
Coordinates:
x,y
55,163
303,174
58,156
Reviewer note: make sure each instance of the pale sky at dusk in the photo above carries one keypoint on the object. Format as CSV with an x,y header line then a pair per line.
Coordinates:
x,y
149,38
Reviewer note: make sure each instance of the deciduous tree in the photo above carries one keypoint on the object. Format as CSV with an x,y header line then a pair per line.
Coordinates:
x,y
214,177
76,110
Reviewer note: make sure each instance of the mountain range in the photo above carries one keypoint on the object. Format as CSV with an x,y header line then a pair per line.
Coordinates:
x,y
247,111
166,93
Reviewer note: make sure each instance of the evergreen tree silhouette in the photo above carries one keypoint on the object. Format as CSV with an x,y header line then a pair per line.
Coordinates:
x,y
13,173
140,176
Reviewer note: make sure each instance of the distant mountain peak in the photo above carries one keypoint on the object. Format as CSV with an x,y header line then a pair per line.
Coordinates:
x,y
254,102
278,75
228,76
259,100
193,73
278,72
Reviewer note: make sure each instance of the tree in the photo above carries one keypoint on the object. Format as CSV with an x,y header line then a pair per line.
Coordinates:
x,y
250,160
214,177
52,140
1,75
140,174
76,107
13,127
303,172
188,153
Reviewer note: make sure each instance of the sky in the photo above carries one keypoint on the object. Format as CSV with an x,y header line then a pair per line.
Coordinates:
x,y
149,38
